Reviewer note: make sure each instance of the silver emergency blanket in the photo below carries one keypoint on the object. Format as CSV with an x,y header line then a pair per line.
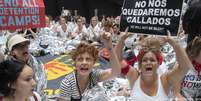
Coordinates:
x,y
47,44
108,91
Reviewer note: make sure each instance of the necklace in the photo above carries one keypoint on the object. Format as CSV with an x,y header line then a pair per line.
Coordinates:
x,y
79,86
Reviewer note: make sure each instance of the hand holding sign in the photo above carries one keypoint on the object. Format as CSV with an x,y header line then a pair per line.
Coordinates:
x,y
167,38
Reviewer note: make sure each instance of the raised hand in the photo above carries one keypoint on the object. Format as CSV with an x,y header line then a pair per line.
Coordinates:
x,y
167,38
106,39
125,34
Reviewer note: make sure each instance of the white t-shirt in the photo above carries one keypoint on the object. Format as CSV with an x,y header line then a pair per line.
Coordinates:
x,y
138,95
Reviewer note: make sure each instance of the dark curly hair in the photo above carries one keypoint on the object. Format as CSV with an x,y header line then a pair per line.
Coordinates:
x,y
9,72
194,47
191,20
85,47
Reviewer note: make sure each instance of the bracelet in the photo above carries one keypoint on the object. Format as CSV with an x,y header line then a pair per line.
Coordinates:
x,y
125,69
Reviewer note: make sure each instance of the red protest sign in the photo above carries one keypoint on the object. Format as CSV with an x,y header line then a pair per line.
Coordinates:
x,y
21,14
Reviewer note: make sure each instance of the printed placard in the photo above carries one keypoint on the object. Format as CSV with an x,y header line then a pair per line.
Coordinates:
x,y
21,14
151,16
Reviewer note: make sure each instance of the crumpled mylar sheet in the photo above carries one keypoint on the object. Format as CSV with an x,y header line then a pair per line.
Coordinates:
x,y
108,91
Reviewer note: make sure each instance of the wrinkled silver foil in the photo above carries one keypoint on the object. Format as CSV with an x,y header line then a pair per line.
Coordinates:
x,y
107,91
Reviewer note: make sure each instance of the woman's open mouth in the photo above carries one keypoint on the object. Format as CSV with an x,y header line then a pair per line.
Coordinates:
x,y
148,69
84,69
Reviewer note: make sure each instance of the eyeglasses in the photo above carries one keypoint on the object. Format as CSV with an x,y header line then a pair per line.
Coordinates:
x,y
21,45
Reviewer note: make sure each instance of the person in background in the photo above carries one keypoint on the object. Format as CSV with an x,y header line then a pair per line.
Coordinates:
x,y
94,29
80,31
107,26
117,20
17,47
85,22
49,28
17,83
85,75
116,33
191,20
190,87
63,30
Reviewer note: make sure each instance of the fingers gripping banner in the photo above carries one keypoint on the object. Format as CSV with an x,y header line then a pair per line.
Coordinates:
x,y
151,16
21,14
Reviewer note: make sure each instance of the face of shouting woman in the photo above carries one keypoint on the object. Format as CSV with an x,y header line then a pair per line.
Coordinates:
x,y
149,64
84,64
